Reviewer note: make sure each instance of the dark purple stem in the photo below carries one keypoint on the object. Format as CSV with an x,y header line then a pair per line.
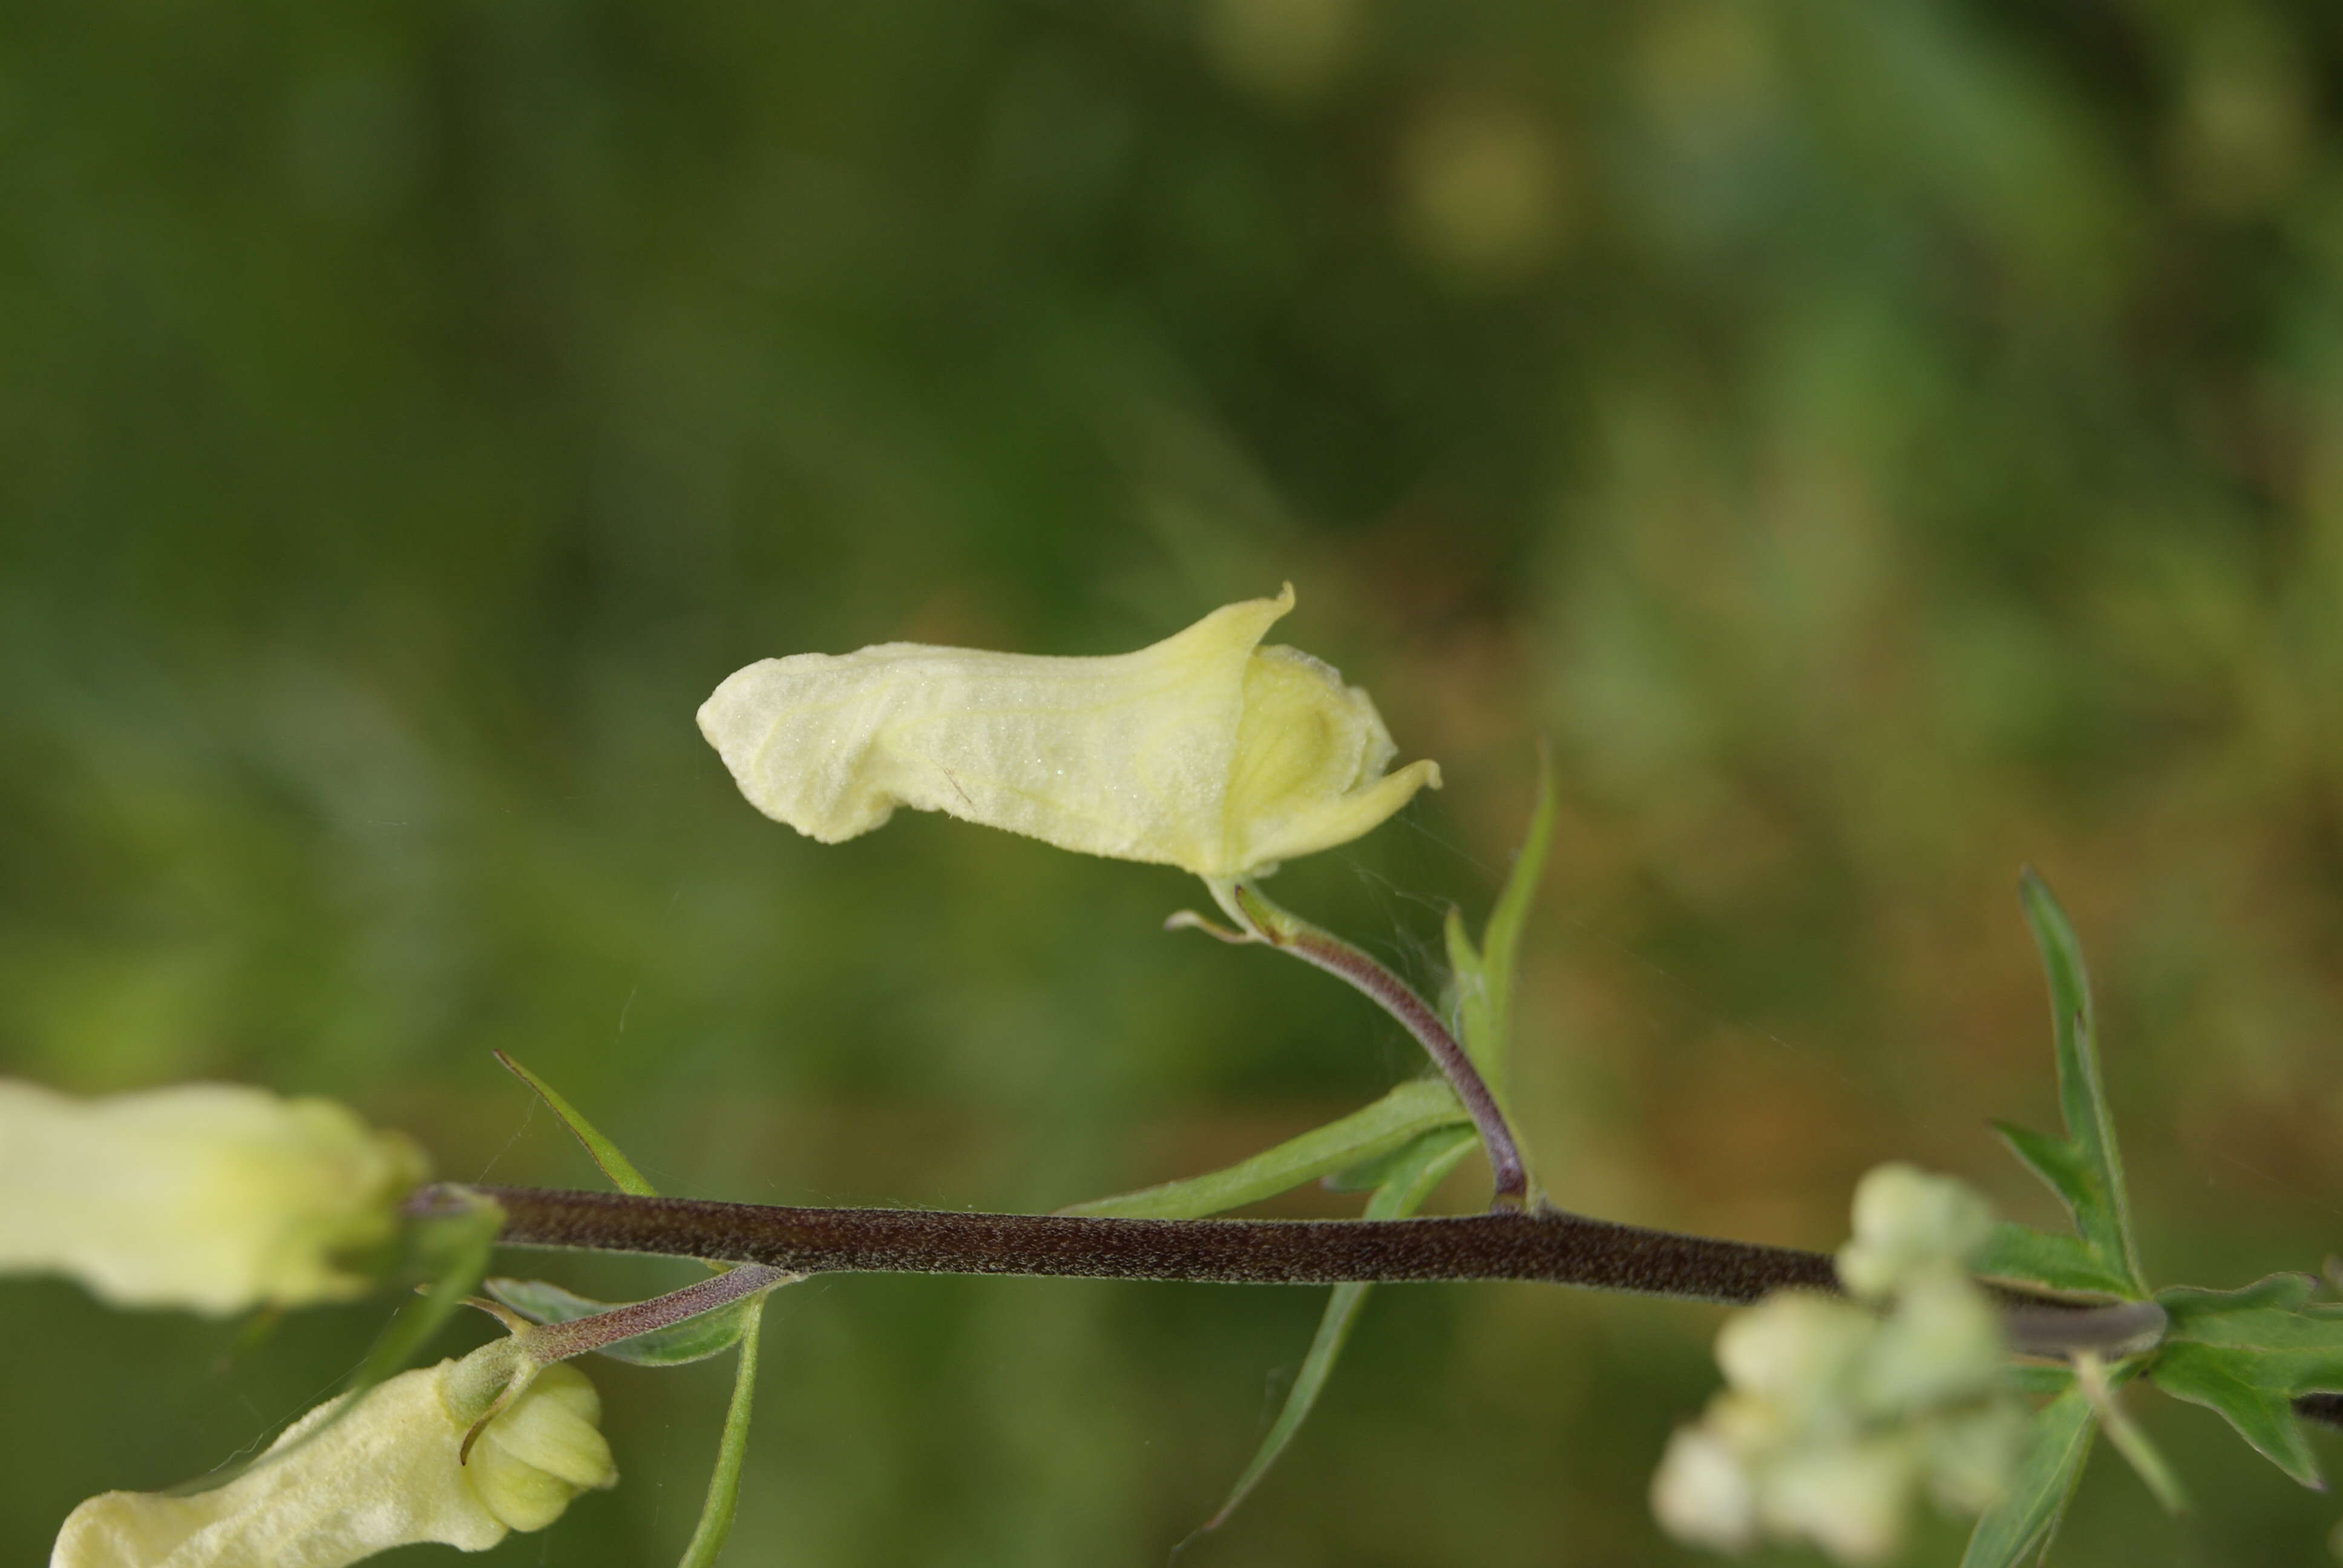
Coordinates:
x,y
1509,1177
1556,1247
1544,1245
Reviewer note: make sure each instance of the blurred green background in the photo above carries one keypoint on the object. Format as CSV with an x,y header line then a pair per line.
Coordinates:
x,y
1879,445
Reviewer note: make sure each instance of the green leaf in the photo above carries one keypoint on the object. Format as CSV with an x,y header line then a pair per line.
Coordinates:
x,y
2235,1317
2024,1521
2040,1381
2247,1354
2101,1211
1500,942
1404,1114
1474,1029
2055,1262
2056,1160
615,1166
724,1482
696,1338
1397,1165
1484,975
2226,1382
1420,1169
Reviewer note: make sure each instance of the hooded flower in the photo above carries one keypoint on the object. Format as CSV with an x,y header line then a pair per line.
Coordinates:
x,y
390,1473
1205,751
212,1196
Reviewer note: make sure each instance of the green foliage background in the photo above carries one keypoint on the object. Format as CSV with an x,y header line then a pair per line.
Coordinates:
x,y
1878,443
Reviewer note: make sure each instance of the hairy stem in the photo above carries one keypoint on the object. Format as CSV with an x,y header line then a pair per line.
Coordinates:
x,y
1556,1247
2121,1329
574,1337
1543,1245
1288,933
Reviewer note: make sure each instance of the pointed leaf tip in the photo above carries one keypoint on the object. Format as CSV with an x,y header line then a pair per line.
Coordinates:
x,y
600,1149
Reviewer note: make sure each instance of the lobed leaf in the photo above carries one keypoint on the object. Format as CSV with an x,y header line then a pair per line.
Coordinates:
x,y
2025,1256
2227,1382
2246,1354
2056,1161
2102,1211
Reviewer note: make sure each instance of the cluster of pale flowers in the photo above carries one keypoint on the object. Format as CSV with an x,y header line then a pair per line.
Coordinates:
x,y
1836,1412
1206,751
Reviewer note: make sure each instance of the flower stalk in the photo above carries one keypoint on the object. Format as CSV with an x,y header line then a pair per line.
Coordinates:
x,y
578,1336
1263,921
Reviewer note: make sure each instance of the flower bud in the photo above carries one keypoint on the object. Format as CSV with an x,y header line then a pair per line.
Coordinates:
x,y
1837,1414
212,1196
542,1450
1205,751
1906,1219
1792,1348
1940,1345
1848,1498
388,1473
1702,1491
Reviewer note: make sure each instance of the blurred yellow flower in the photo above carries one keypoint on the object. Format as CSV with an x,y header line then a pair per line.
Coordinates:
x,y
1205,751
387,1474
212,1196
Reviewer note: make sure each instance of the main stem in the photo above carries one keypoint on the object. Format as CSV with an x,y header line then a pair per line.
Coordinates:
x,y
1544,1245
1549,1246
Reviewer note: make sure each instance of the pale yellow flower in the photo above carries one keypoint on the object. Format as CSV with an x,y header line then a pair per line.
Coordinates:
x,y
387,1474
1205,751
212,1196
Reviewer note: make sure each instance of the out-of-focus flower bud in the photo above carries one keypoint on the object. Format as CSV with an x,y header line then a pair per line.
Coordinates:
x,y
212,1196
387,1474
1702,1493
1907,1219
1793,1349
1205,751
1849,1498
1972,1454
1837,1415
1942,1343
